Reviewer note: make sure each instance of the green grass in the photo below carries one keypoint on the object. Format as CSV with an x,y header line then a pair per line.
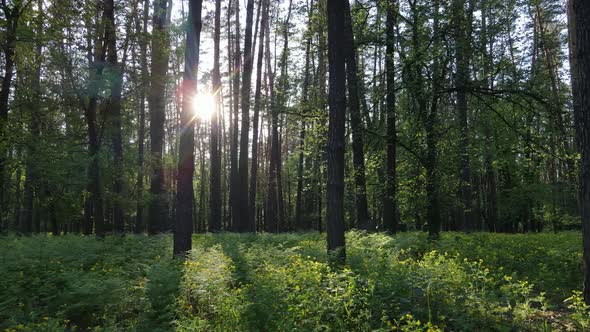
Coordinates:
x,y
231,282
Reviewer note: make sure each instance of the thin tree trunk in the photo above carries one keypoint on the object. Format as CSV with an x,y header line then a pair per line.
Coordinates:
x,y
244,222
114,112
139,222
158,206
579,28
215,154
271,224
235,175
390,223
356,124
255,120
11,16
299,213
491,208
183,226
336,127
462,26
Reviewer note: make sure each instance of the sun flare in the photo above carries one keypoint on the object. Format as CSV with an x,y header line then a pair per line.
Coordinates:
x,y
203,105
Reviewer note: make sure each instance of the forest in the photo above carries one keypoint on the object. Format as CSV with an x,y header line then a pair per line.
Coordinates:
x,y
294,165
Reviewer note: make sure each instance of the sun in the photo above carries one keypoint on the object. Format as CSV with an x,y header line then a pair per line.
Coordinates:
x,y
203,105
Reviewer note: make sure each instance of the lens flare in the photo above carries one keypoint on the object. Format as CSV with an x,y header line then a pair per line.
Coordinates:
x,y
203,105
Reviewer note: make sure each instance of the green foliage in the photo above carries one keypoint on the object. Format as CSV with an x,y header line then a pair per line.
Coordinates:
x,y
232,282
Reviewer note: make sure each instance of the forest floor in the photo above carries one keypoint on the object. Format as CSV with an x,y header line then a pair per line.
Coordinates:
x,y
232,282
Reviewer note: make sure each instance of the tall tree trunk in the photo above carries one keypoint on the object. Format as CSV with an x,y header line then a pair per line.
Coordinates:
x,y
32,176
158,205
390,223
255,120
462,31
235,175
279,101
114,112
93,209
215,153
244,223
579,28
12,16
299,213
183,226
143,44
321,175
336,127
491,207
271,224
357,126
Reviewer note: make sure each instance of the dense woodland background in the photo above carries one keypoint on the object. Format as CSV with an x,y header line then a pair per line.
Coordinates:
x,y
459,116
414,131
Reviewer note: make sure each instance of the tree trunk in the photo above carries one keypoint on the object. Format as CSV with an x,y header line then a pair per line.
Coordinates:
x,y
390,223
255,120
271,224
491,207
11,16
235,175
114,112
183,226
244,222
158,205
215,153
356,124
299,213
336,127
139,222
215,201
579,28
463,29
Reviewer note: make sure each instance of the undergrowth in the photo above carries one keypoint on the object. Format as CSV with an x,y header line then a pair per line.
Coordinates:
x,y
232,282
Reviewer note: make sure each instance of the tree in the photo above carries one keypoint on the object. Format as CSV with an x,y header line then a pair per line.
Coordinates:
x,y
235,174
579,28
299,213
143,45
158,206
356,124
31,185
215,153
389,202
183,229
114,112
255,119
462,57
336,126
12,15
244,224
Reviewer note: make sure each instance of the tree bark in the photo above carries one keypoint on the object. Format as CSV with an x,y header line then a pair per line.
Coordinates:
x,y
299,213
336,127
255,120
462,30
158,205
357,126
579,30
183,226
143,44
235,175
215,153
12,16
431,165
271,224
390,223
244,224
114,112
